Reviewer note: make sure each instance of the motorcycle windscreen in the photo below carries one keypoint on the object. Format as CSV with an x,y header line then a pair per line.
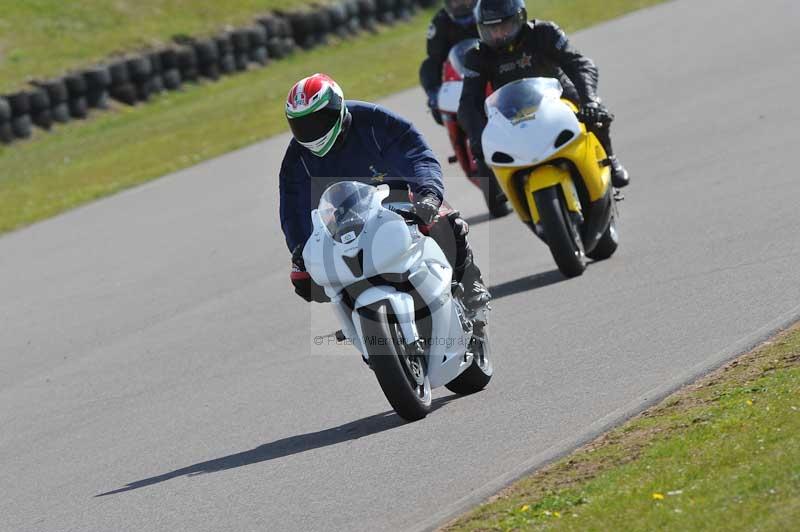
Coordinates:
x,y
344,209
458,54
519,100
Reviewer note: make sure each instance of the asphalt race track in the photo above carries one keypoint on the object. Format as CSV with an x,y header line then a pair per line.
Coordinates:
x,y
158,373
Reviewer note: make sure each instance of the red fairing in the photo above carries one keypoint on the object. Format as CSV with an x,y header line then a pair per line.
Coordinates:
x,y
449,73
299,276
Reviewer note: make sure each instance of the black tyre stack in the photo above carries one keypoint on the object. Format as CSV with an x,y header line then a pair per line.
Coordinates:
x,y
98,82
170,69
156,81
76,90
140,69
226,59
20,118
121,88
240,39
321,18
208,57
280,38
187,63
405,9
302,24
287,36
353,22
257,38
41,114
386,11
367,13
56,90
338,15
6,133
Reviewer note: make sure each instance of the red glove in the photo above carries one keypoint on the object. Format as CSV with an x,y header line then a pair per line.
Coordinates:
x,y
304,285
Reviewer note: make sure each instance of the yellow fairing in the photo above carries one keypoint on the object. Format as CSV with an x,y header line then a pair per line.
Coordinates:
x,y
586,154
546,177
539,178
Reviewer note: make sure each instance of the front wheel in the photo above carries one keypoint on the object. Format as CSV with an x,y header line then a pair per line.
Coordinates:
x,y
402,372
479,373
607,244
561,231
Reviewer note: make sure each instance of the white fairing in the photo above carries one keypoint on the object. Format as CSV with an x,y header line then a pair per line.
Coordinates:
x,y
450,96
391,246
525,119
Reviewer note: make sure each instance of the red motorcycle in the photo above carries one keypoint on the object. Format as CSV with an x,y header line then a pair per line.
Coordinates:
x,y
453,73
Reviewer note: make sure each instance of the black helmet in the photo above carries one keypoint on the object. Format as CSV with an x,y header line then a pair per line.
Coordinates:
x,y
461,11
499,21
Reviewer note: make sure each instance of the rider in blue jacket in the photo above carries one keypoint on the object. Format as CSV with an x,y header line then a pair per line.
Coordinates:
x,y
337,139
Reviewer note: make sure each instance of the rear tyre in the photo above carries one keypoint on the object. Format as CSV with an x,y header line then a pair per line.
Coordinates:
x,y
479,373
561,231
608,243
402,375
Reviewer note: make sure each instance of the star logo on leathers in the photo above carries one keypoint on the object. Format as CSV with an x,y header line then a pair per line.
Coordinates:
x,y
525,61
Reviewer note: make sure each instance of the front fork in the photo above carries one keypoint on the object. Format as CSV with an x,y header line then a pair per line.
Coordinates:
x,y
551,176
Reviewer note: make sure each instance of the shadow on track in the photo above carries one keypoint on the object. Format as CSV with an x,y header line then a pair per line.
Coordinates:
x,y
286,447
532,282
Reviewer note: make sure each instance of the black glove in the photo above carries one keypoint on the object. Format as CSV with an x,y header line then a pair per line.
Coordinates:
x,y
595,112
426,209
433,105
304,285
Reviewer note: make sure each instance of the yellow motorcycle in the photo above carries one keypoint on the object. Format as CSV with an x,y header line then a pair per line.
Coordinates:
x,y
555,173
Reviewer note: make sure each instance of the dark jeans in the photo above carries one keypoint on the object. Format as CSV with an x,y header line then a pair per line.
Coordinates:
x,y
450,232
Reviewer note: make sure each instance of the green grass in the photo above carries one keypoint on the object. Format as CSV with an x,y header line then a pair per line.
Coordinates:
x,y
723,454
48,37
114,150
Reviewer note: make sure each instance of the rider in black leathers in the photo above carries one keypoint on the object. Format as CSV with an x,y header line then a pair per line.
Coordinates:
x,y
451,25
513,48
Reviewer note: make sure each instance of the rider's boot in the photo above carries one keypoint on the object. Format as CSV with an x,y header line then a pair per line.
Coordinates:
x,y
619,175
476,295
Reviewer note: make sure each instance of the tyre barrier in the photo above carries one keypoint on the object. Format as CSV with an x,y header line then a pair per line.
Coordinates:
x,y
98,81
20,120
6,134
367,14
40,108
134,79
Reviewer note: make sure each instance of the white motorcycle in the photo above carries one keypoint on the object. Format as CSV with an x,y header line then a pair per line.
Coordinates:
x,y
391,288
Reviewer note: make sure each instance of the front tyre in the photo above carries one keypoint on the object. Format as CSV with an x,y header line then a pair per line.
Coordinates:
x,y
479,373
561,231
402,373
607,244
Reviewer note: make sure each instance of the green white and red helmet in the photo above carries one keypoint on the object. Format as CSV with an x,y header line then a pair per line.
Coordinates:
x,y
315,109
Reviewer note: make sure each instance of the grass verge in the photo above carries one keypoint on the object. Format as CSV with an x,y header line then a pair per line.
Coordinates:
x,y
722,454
114,150
87,31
